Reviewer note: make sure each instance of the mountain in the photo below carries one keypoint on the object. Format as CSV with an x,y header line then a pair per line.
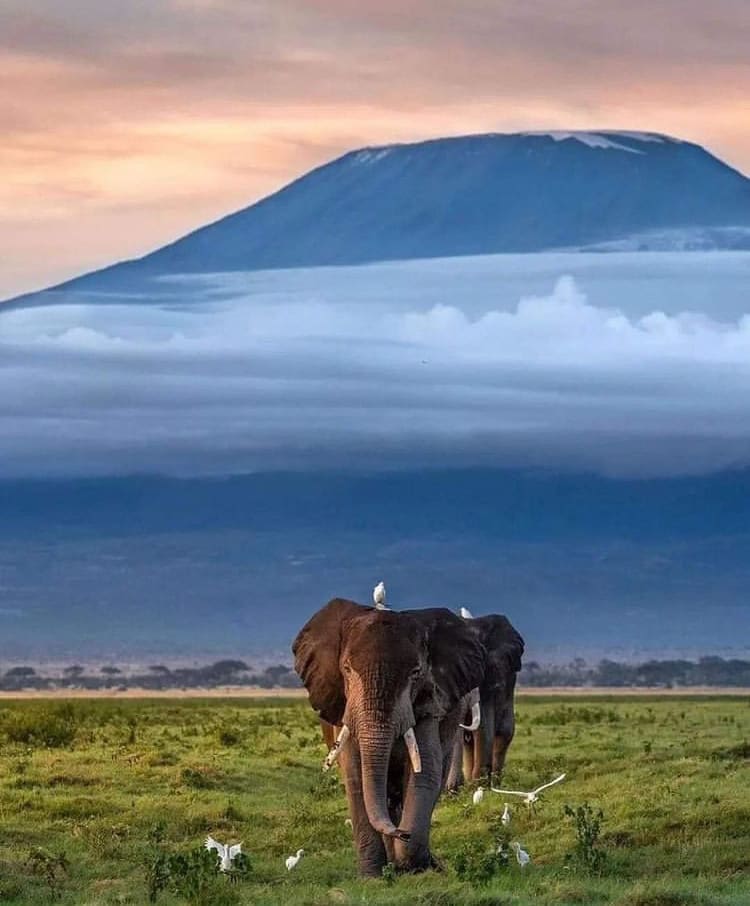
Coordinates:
x,y
470,195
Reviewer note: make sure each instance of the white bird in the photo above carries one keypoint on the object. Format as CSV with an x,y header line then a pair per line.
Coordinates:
x,y
522,857
226,853
506,816
348,822
531,797
478,795
378,596
466,613
293,860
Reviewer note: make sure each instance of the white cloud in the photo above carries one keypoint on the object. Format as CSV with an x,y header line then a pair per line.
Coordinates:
x,y
390,365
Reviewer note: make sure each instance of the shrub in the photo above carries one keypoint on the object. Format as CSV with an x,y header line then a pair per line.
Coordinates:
x,y
586,854
228,736
477,866
47,726
52,869
193,876
201,777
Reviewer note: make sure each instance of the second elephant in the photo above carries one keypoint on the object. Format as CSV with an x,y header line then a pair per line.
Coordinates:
x,y
483,751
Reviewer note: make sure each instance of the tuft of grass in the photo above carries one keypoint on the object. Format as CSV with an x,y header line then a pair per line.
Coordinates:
x,y
738,752
50,726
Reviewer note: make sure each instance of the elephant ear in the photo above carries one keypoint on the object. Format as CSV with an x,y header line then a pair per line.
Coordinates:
x,y
317,650
502,640
457,657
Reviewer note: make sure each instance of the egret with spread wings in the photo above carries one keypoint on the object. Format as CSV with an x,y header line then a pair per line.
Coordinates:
x,y
227,854
531,796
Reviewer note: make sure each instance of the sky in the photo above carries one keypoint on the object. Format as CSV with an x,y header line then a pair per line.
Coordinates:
x,y
125,125
562,362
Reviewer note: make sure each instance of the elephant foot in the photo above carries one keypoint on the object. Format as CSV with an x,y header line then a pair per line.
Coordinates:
x,y
423,861
436,864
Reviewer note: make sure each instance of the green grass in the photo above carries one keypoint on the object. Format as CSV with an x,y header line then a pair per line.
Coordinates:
x,y
94,781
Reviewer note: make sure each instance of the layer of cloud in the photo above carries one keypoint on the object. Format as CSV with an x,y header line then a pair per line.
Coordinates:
x,y
366,367
124,126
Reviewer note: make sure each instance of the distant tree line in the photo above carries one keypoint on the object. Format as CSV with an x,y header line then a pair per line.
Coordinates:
x,y
665,674
157,677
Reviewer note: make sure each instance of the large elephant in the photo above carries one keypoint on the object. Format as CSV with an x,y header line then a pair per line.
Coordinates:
x,y
396,685
483,751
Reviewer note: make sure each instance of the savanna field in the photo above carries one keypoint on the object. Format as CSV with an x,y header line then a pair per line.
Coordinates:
x,y
109,802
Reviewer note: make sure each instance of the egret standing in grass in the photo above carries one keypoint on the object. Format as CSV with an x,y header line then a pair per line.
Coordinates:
x,y
378,596
478,795
506,816
292,861
522,857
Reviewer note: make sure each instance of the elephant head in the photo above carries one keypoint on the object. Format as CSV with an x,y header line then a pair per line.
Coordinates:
x,y
395,683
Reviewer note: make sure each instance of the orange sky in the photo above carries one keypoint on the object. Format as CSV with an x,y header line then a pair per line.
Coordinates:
x,y
127,124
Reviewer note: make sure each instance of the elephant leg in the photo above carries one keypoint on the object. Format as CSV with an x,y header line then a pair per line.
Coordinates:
x,y
395,803
504,731
467,743
455,775
329,734
371,852
422,791
483,740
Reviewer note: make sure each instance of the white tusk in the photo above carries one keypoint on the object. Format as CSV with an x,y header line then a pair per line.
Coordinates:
x,y
337,747
476,717
411,744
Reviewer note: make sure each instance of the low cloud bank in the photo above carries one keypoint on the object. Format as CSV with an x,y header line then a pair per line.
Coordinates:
x,y
252,376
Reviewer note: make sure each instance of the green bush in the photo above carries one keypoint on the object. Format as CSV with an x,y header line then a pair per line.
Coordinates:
x,y
51,726
479,866
193,876
586,854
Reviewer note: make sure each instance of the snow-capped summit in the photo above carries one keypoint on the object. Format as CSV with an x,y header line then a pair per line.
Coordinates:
x,y
608,139
469,195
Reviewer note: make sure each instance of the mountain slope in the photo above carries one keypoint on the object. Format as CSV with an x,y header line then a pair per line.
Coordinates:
x,y
464,196
196,565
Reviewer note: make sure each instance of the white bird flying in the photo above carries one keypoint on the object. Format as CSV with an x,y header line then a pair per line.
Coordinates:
x,y
378,596
522,857
531,797
506,816
478,795
227,854
466,613
293,860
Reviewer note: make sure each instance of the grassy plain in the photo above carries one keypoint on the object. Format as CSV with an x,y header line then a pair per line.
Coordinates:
x,y
98,800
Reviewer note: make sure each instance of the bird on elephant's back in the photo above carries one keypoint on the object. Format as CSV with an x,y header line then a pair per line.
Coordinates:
x,y
483,751
396,685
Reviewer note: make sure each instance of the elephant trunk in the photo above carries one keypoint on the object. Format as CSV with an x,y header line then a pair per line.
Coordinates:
x,y
375,751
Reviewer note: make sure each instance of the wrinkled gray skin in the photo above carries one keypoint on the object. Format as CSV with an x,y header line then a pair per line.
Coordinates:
x,y
482,752
380,673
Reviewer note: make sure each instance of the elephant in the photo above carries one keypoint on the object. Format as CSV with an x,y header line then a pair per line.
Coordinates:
x,y
396,684
482,751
